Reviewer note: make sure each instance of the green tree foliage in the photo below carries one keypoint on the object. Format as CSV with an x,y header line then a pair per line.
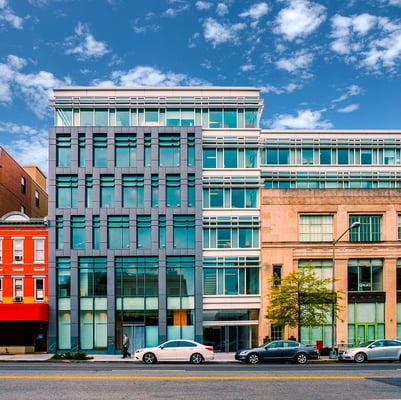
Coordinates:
x,y
302,299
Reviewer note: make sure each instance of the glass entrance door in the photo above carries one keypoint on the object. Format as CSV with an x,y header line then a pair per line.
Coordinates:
x,y
228,338
136,335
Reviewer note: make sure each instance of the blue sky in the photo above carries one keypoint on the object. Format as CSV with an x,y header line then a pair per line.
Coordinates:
x,y
323,64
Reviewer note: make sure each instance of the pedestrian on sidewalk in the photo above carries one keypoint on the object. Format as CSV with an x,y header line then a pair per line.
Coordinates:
x,y
126,346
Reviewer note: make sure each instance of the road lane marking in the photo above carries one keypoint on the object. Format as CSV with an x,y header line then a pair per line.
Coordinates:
x,y
183,378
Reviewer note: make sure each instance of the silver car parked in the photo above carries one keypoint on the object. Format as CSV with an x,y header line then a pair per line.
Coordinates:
x,y
373,350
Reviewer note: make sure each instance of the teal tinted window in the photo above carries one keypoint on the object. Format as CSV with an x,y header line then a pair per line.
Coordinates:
x,y
125,151
67,191
191,191
59,232
155,191
81,150
216,118
96,232
122,117
169,150
152,115
63,266
144,232
184,231
118,232
133,191
63,117
101,117
63,155
86,116
369,229
78,232
251,118
209,158
100,150
162,231
88,191
93,277
107,191
230,118
173,191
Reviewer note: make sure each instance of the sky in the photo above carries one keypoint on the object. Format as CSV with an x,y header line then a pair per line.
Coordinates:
x,y
320,64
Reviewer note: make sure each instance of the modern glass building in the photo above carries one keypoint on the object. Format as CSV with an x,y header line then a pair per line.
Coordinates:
x,y
154,217
170,209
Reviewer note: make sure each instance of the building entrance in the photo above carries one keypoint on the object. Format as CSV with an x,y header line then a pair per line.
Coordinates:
x,y
136,335
229,338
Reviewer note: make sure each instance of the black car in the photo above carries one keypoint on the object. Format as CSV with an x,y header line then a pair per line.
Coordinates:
x,y
278,350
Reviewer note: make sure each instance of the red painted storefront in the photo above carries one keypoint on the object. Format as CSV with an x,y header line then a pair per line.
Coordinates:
x,y
24,283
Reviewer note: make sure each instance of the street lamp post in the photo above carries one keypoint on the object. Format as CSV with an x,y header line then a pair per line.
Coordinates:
x,y
333,352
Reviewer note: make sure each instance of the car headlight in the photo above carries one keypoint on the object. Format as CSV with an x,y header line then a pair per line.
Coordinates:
x,y
243,352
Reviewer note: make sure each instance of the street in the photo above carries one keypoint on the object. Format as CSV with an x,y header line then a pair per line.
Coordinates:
x,y
234,381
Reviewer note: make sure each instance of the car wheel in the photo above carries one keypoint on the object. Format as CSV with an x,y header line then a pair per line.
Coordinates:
x,y
149,358
301,358
196,358
253,358
360,357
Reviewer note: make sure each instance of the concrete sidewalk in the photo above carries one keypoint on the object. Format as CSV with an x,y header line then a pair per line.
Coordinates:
x,y
37,357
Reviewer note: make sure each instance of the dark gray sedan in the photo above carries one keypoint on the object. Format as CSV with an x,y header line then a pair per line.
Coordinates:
x,y
278,350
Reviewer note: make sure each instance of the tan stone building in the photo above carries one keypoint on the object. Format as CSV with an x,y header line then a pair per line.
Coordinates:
x,y
313,225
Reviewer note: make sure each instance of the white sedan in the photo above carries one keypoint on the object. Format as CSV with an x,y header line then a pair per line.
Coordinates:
x,y
383,349
176,350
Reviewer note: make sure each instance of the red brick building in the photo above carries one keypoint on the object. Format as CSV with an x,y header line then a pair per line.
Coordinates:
x,y
23,283
21,188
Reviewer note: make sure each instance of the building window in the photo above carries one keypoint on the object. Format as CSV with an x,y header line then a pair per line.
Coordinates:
x,y
180,296
93,277
277,156
251,118
63,266
342,156
99,150
107,191
155,191
37,198
78,232
88,191
231,232
39,289
122,117
184,231
365,275
67,191
125,151
18,250
325,156
169,150
23,185
369,229
277,270
59,233
81,150
315,228
18,290
96,232
39,250
86,117
162,231
191,191
277,332
63,117
137,277
101,117
173,190
230,158
118,232
209,158
63,151
144,232
398,275
230,276
191,150
399,227
133,191
147,149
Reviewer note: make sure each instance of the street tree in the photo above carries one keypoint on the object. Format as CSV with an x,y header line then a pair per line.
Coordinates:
x,y
302,299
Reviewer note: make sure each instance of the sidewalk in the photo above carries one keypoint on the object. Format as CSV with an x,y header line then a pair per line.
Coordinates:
x,y
37,357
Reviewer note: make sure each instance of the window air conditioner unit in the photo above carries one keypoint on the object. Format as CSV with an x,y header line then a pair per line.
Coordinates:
x,y
18,258
18,299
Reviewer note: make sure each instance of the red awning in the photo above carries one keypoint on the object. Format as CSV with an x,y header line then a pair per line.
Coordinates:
x,y
24,312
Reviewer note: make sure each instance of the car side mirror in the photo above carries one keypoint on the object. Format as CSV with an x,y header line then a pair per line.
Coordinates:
x,y
161,347
372,346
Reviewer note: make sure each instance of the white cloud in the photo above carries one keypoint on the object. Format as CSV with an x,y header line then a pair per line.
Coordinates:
x,y
217,33
276,90
149,76
256,11
247,67
301,60
28,145
352,90
370,42
203,5
7,15
221,9
85,45
172,12
348,109
305,119
35,88
299,19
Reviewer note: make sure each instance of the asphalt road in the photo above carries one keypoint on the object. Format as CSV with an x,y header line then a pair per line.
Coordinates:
x,y
234,381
